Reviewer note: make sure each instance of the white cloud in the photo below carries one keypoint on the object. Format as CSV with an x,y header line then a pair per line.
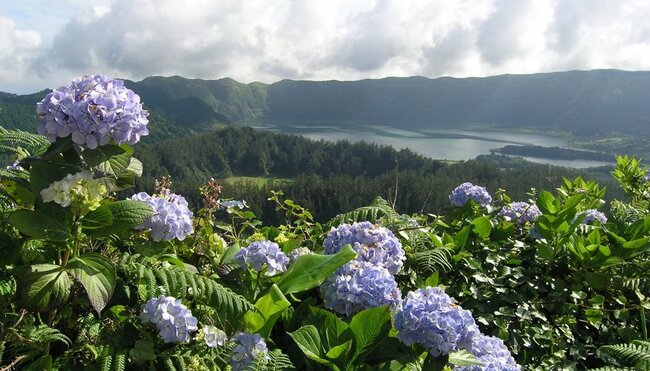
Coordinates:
x,y
261,40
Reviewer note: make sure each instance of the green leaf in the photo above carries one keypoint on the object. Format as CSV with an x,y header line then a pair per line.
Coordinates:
x,y
339,352
42,364
461,237
545,252
94,157
308,340
336,330
369,326
309,271
482,227
116,164
546,203
636,244
432,280
127,214
43,282
463,358
270,308
98,218
594,316
97,275
142,352
48,223
44,173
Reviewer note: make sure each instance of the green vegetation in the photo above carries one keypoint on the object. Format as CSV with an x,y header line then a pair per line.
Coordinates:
x,y
553,153
78,279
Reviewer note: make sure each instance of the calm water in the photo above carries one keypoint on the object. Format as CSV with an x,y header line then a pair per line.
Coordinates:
x,y
461,144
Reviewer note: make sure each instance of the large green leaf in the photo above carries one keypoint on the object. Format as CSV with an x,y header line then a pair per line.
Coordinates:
x,y
48,223
482,227
41,283
335,330
369,326
270,308
44,173
127,214
546,203
94,157
308,340
97,275
98,218
116,164
309,271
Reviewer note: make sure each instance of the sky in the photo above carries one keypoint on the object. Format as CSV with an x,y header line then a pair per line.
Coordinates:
x,y
45,44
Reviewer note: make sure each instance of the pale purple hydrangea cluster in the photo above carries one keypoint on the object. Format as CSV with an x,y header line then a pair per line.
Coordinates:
x,y
172,319
356,286
261,254
171,219
430,317
492,353
93,110
468,191
296,253
368,281
249,348
374,244
520,212
591,216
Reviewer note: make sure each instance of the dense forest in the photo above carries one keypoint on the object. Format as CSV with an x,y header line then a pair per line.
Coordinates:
x,y
556,153
330,177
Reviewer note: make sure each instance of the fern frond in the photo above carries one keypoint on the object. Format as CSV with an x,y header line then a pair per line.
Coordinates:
x,y
378,209
432,260
279,361
635,354
44,334
119,361
154,280
18,141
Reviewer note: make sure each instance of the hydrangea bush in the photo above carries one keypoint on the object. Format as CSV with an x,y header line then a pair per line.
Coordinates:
x,y
91,279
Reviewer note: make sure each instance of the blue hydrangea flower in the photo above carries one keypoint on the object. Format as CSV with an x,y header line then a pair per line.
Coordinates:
x,y
249,348
534,233
430,317
172,319
468,191
520,212
213,336
260,254
360,285
591,216
296,253
493,353
373,244
172,217
93,110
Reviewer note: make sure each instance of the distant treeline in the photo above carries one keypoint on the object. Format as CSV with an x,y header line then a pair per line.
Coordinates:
x,y
328,178
555,153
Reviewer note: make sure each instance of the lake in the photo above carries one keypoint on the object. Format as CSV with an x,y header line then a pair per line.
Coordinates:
x,y
443,144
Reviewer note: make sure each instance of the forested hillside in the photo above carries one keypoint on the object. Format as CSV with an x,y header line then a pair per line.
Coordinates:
x,y
586,103
328,177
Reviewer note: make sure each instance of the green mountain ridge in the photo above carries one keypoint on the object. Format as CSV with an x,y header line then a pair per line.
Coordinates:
x,y
585,103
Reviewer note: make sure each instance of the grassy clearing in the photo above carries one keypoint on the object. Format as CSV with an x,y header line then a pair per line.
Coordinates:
x,y
258,181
